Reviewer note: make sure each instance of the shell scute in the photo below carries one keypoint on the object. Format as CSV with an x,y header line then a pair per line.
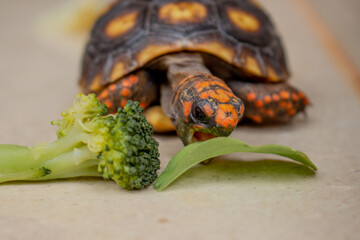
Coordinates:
x,y
182,18
135,32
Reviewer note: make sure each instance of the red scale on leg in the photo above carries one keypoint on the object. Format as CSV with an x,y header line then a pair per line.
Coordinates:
x,y
270,103
136,87
115,95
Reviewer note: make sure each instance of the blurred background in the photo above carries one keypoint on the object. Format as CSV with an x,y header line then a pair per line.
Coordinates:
x,y
341,18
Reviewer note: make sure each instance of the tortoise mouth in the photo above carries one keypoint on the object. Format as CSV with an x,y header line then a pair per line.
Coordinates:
x,y
201,136
192,135
195,133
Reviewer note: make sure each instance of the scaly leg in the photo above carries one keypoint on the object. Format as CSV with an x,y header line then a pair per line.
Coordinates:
x,y
137,87
270,103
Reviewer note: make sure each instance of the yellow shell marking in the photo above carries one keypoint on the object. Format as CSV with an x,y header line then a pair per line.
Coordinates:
x,y
252,66
243,20
182,12
153,51
95,83
121,24
272,75
214,48
117,71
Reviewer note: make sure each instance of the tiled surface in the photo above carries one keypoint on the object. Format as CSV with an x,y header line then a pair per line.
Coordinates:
x,y
238,197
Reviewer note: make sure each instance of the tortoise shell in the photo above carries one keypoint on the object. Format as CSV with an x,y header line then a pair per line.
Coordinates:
x,y
132,33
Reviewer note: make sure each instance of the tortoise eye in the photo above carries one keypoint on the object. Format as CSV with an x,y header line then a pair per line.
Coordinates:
x,y
199,113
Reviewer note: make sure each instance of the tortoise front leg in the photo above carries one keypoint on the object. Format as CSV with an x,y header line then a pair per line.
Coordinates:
x,y
137,87
270,103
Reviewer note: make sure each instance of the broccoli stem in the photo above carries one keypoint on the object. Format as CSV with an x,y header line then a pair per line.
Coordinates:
x,y
67,157
16,163
46,151
75,163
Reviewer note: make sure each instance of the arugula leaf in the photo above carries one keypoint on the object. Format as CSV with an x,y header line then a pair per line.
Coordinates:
x,y
198,152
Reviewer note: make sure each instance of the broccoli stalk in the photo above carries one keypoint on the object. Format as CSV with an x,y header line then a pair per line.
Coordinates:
x,y
90,143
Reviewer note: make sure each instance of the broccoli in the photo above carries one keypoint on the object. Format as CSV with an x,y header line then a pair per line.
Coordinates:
x,y
90,143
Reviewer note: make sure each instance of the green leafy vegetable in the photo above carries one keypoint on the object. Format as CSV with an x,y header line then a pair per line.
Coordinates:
x,y
201,151
90,142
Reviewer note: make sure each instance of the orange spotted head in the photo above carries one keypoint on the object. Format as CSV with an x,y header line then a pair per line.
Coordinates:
x,y
204,107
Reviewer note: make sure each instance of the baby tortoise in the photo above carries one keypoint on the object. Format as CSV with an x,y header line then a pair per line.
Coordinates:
x,y
204,61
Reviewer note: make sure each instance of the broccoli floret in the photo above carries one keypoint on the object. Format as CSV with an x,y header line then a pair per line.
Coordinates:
x,y
90,143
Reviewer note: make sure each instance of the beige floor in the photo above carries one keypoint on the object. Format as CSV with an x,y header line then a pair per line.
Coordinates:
x,y
238,197
342,18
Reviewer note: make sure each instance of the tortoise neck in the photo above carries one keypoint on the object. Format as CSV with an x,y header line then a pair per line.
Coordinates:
x,y
182,65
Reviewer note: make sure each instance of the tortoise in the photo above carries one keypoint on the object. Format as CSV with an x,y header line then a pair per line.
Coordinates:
x,y
209,63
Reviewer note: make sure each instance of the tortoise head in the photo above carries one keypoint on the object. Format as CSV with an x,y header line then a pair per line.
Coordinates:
x,y
204,107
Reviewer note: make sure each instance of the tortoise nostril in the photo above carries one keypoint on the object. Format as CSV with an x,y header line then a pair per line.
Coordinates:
x,y
229,114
